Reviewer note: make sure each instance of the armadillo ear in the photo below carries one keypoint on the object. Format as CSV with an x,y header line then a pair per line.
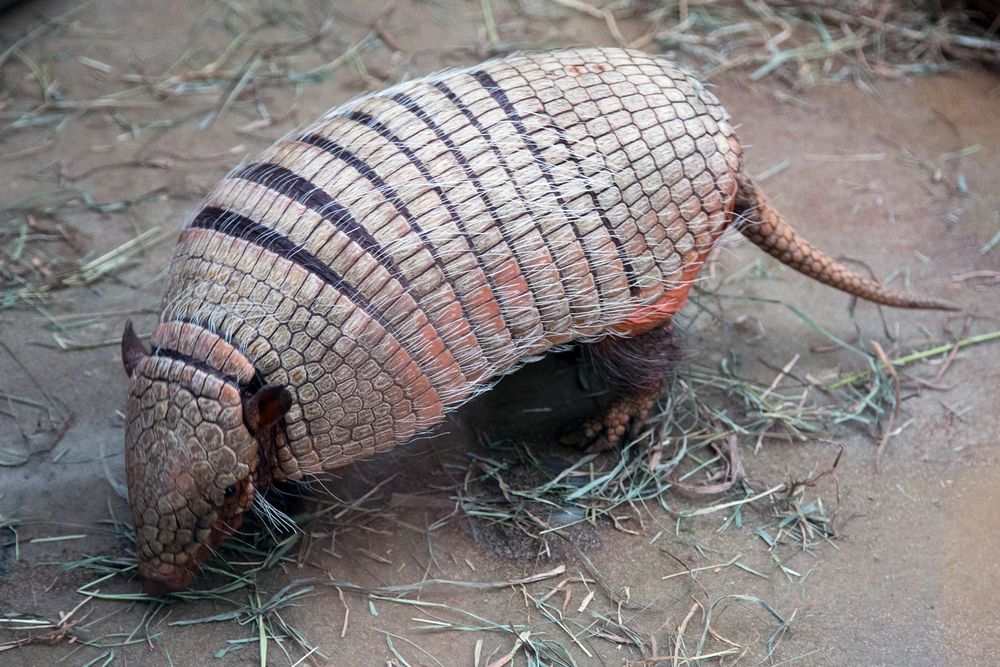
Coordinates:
x,y
133,351
263,410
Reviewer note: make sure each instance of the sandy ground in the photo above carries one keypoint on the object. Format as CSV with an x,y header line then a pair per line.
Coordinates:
x,y
913,576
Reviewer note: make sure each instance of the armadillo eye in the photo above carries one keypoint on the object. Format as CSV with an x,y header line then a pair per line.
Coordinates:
x,y
230,490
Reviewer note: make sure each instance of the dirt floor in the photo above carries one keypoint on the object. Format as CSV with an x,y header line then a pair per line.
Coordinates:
x,y
905,178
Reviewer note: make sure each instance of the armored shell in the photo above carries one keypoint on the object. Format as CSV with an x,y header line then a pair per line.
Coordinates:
x,y
389,260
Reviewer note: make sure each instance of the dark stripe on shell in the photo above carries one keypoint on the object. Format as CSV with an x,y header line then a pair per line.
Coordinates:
x,y
370,122
392,196
202,366
500,97
238,226
292,185
410,105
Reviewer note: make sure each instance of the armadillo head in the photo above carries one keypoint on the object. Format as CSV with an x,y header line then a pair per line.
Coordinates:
x,y
192,446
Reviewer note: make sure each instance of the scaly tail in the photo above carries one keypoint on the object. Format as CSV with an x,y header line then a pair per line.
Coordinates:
x,y
760,223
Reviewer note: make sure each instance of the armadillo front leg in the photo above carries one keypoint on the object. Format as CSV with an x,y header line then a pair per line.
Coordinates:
x,y
637,369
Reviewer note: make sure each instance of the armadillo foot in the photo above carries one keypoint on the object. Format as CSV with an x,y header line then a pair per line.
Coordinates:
x,y
622,417
637,368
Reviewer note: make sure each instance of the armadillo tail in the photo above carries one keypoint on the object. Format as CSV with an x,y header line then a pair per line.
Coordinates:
x,y
759,222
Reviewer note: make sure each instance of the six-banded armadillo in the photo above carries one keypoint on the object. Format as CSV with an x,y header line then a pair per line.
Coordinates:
x,y
368,273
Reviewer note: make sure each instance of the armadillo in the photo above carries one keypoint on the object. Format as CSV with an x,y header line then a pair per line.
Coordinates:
x,y
363,276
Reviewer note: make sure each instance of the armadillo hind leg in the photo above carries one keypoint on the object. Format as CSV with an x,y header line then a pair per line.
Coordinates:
x,y
637,369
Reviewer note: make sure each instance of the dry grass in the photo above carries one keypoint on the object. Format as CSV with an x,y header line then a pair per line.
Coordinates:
x,y
239,51
685,467
245,57
804,43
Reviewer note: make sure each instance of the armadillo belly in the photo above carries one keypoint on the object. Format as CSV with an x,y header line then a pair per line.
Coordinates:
x,y
388,261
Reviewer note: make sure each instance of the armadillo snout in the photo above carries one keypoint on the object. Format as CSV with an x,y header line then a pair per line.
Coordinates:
x,y
189,465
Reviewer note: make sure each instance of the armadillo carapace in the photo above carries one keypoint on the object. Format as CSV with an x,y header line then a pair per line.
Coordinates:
x,y
364,275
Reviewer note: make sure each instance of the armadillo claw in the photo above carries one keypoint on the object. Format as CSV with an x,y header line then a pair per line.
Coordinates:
x,y
623,417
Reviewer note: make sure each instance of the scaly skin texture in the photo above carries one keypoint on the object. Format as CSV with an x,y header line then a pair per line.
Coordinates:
x,y
364,275
768,231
